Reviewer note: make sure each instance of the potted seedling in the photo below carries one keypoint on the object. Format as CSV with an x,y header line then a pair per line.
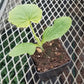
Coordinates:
x,y
48,54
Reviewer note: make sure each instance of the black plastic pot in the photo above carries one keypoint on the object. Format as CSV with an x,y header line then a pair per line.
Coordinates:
x,y
44,76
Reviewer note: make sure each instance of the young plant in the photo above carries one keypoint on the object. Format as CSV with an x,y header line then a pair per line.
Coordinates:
x,y
24,15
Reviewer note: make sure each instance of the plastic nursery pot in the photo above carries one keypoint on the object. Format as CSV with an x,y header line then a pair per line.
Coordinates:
x,y
44,76
52,62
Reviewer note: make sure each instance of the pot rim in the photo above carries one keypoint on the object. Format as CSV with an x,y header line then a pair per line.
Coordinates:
x,y
55,68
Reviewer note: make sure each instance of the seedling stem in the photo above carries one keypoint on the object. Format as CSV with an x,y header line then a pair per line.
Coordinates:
x,y
37,39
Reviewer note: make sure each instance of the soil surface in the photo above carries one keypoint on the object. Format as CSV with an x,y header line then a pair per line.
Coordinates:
x,y
53,56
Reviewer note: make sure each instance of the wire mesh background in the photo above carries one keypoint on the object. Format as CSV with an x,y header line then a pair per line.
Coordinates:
x,y
20,70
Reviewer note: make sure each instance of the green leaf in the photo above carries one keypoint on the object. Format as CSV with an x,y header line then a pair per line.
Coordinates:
x,y
60,27
22,49
22,15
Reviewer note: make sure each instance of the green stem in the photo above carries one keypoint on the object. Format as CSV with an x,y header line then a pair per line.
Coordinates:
x,y
37,39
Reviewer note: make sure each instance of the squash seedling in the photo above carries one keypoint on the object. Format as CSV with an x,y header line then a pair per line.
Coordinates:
x,y
23,15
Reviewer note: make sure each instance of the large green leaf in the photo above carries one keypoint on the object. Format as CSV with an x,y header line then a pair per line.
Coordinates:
x,y
22,49
60,27
22,15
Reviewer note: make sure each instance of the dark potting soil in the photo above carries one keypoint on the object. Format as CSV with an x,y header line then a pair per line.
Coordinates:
x,y
53,56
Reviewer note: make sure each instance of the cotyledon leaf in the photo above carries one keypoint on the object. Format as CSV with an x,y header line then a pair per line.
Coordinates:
x,y
22,15
59,28
22,49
